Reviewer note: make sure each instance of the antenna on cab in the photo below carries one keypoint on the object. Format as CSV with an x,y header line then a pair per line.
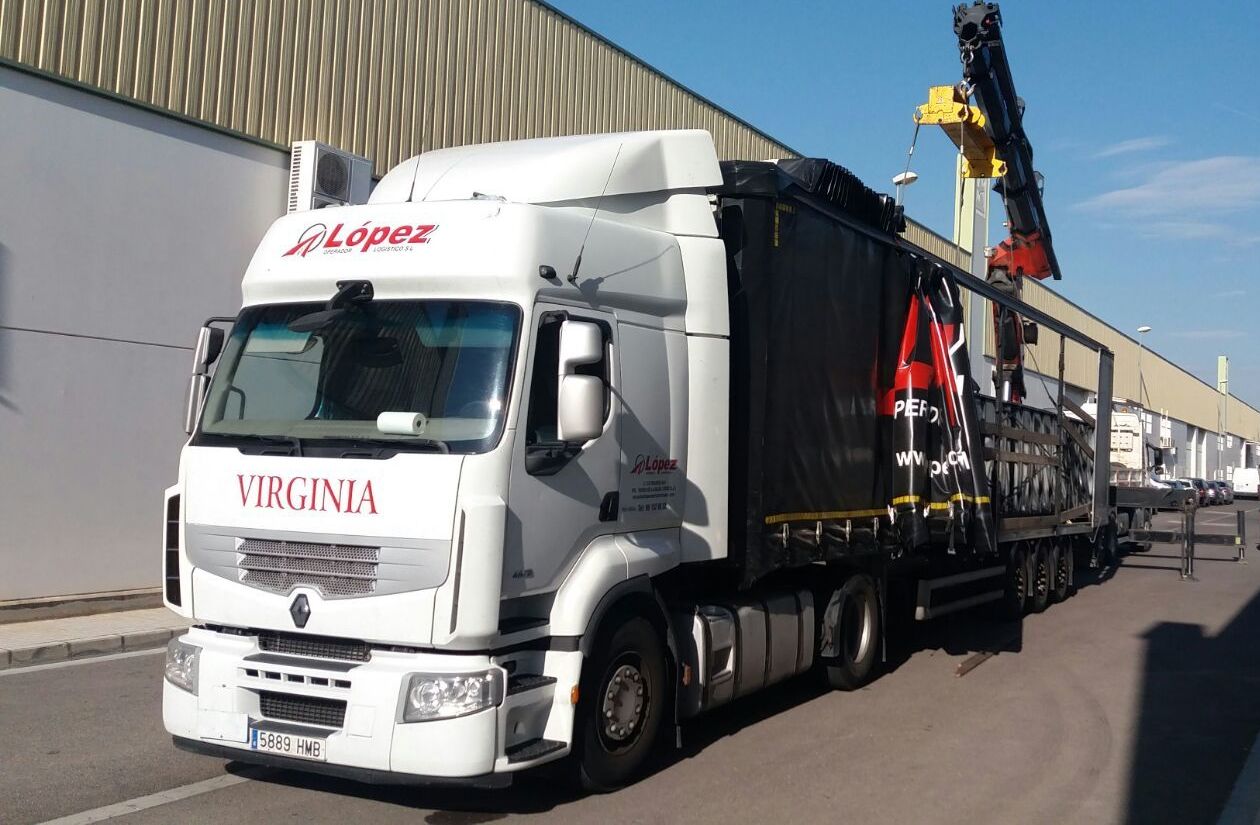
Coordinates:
x,y
577,264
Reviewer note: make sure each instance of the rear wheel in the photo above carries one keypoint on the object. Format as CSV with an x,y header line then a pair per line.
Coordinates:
x,y
620,705
1016,591
1042,581
854,639
1064,568
1109,551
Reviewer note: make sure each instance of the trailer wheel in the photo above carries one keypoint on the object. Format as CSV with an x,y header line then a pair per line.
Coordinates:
x,y
1041,582
855,638
1015,596
620,705
1109,546
1143,546
1064,569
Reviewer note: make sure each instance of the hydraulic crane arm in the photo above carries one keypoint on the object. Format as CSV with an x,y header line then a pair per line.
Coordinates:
x,y
987,75
990,137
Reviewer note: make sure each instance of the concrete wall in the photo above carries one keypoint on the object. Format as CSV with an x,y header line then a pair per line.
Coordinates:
x,y
120,231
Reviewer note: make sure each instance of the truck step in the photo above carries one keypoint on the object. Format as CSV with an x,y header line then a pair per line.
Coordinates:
x,y
533,749
518,683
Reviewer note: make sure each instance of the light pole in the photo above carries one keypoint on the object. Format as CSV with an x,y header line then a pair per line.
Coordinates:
x,y
902,180
1142,330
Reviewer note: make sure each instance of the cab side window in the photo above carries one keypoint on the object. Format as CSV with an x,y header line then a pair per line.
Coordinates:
x,y
544,386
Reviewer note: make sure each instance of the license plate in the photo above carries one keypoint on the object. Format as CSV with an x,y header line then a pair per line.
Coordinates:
x,y
288,744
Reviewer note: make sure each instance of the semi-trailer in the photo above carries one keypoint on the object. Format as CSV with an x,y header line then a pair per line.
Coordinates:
x,y
552,445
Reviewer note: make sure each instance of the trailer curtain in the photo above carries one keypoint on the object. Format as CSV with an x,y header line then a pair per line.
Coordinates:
x,y
854,421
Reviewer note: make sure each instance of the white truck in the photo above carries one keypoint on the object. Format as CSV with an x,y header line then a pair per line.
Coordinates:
x,y
553,444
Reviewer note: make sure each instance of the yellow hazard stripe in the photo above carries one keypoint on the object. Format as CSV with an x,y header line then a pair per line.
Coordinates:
x,y
824,516
827,515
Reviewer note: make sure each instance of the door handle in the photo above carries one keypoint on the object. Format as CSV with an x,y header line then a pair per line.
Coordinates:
x,y
609,506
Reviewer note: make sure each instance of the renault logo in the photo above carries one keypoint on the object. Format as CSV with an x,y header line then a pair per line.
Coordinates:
x,y
300,610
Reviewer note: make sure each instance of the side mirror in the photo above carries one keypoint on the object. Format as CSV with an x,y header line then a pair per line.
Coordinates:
x,y
581,408
209,347
198,383
580,405
205,353
581,343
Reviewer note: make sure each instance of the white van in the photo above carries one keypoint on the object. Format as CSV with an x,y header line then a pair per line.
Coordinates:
x,y
1246,482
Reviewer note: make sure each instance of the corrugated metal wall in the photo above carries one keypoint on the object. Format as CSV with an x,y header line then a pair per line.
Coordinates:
x,y
384,78
391,78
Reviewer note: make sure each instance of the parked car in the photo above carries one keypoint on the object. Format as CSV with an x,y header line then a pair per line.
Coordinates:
x,y
1200,487
1214,493
1226,491
1181,485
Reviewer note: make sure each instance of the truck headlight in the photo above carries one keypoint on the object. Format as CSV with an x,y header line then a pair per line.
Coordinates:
x,y
447,695
181,665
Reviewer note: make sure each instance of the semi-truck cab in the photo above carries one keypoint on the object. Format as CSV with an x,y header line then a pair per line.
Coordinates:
x,y
451,430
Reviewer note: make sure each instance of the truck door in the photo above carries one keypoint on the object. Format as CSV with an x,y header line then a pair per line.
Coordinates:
x,y
560,496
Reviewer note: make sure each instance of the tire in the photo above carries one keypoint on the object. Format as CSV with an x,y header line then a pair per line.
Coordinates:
x,y
1041,579
857,635
1064,570
1109,554
628,666
1145,546
1015,595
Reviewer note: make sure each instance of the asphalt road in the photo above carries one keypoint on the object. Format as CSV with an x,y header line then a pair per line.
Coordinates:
x,y
1136,701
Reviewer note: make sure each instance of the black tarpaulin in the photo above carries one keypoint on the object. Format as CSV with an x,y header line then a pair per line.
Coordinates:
x,y
820,297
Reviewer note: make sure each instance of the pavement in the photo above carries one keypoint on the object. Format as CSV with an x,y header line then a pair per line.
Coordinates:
x,y
54,640
1135,701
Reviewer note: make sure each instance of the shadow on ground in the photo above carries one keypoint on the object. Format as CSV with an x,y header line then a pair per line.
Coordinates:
x,y
1198,717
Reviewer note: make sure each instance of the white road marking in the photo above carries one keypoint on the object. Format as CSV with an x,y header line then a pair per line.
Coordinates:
x,y
154,800
1229,518
87,660
1243,807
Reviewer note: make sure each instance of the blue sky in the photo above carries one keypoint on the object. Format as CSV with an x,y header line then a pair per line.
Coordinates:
x,y
1144,118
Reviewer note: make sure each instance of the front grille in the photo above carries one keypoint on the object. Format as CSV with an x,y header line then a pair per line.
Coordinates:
x,y
333,569
310,710
319,647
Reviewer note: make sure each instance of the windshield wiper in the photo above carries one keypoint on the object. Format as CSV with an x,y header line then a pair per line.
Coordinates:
x,y
294,443
374,447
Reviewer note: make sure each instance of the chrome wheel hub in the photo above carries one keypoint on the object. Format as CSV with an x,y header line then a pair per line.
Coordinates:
x,y
624,698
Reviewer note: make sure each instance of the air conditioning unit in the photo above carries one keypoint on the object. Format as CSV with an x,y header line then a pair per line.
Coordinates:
x,y
321,175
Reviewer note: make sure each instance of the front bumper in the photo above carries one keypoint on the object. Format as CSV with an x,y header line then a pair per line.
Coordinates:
x,y
366,775
370,744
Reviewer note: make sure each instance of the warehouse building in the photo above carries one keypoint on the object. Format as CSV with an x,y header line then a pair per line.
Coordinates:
x,y
145,151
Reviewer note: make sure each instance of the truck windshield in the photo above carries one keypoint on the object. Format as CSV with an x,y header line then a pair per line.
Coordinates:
x,y
444,362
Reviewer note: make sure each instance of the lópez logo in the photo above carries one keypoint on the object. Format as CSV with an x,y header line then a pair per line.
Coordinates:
x,y
382,237
653,465
309,240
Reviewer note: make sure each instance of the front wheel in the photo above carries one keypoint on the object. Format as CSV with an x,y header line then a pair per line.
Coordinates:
x,y
620,705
